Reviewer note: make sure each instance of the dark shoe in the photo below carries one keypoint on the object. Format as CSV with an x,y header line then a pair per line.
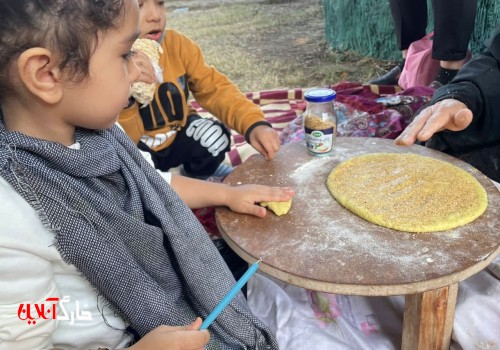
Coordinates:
x,y
435,84
444,76
389,78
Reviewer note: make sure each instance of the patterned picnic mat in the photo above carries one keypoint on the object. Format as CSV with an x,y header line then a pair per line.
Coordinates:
x,y
362,110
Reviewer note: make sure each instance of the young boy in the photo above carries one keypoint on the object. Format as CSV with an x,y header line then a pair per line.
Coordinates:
x,y
95,247
468,107
168,128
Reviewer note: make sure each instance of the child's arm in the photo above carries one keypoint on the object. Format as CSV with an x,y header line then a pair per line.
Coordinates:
x,y
174,338
223,99
240,199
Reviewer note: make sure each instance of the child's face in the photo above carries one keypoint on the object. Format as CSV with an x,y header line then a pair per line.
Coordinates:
x,y
152,19
97,101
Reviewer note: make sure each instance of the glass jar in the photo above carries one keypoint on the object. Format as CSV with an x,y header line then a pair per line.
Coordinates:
x,y
320,121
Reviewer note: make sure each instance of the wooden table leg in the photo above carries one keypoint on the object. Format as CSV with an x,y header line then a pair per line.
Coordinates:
x,y
428,319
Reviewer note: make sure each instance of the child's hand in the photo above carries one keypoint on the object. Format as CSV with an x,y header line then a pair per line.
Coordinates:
x,y
265,140
174,338
243,199
446,114
144,64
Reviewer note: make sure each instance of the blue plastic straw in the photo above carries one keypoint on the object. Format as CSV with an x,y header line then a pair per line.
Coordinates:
x,y
230,296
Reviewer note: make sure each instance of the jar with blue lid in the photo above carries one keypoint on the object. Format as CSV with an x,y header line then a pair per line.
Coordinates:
x,y
320,121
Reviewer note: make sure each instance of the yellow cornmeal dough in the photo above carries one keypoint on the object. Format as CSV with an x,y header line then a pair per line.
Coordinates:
x,y
279,208
407,192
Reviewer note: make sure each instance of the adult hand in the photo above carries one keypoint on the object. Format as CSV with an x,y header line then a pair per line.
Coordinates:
x,y
243,199
143,62
446,114
265,140
174,338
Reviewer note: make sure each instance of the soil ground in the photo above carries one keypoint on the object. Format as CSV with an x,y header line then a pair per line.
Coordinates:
x,y
264,44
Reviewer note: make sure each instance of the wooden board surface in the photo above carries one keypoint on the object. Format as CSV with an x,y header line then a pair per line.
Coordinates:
x,y
322,246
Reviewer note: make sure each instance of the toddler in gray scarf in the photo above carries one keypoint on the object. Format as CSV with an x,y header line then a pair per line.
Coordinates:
x,y
65,74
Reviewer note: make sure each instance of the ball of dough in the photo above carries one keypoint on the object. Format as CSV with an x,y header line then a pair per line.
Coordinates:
x,y
279,208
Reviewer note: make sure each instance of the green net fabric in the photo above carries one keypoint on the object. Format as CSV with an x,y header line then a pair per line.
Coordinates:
x,y
365,26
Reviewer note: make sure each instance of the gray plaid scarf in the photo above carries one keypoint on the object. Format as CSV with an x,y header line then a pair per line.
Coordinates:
x,y
128,233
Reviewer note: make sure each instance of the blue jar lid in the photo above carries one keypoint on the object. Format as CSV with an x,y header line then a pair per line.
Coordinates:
x,y
320,95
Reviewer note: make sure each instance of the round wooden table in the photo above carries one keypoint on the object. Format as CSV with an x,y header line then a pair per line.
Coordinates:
x,y
322,246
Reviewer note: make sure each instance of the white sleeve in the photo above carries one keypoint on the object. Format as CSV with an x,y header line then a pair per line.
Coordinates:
x,y
27,274
167,176
32,270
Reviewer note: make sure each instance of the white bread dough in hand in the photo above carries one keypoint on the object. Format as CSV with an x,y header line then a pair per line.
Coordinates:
x,y
143,92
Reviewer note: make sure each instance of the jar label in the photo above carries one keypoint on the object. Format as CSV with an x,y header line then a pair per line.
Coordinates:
x,y
319,141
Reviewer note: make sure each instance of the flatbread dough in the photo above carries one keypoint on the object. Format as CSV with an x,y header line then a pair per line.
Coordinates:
x,y
407,192
279,208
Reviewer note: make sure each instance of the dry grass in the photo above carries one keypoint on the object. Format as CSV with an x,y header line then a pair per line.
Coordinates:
x,y
269,44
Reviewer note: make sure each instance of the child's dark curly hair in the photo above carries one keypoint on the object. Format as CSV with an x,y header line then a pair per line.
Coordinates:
x,y
69,28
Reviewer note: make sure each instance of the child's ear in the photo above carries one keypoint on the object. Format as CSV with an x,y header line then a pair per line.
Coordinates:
x,y
39,72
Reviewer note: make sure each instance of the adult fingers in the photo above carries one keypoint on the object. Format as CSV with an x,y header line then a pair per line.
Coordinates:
x,y
462,120
409,135
442,118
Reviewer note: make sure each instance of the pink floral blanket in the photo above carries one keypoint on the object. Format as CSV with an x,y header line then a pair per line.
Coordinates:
x,y
362,110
